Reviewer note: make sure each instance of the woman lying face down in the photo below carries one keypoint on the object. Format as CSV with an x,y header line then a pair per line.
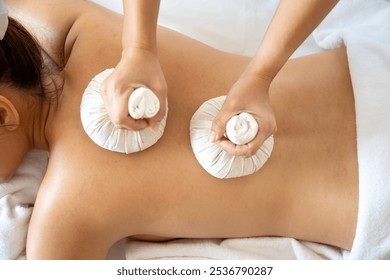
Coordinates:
x,y
91,197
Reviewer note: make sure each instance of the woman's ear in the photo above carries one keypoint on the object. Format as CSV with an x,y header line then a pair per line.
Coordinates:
x,y
9,116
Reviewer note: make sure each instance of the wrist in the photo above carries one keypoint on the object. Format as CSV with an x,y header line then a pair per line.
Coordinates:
x,y
144,45
262,70
139,49
267,62
259,76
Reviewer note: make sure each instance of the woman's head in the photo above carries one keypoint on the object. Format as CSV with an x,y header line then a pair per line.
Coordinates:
x,y
22,90
21,62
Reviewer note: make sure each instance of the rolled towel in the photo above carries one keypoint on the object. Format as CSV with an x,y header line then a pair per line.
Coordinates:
x,y
241,129
143,103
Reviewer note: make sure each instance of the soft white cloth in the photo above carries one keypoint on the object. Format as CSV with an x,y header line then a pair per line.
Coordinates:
x,y
212,157
99,127
364,28
143,104
17,198
242,128
260,248
229,25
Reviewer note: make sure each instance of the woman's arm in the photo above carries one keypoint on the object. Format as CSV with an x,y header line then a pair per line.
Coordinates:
x,y
140,24
139,65
291,25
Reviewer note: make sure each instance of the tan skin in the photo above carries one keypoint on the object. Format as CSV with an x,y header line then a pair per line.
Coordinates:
x,y
90,197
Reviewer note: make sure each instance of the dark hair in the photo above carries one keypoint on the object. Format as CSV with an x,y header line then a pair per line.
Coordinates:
x,y
22,63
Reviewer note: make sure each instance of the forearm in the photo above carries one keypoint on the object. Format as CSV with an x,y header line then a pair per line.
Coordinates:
x,y
292,24
140,22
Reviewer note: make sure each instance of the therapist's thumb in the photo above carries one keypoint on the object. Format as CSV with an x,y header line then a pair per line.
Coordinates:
x,y
218,127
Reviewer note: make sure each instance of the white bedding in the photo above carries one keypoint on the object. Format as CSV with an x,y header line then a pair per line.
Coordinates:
x,y
16,204
237,26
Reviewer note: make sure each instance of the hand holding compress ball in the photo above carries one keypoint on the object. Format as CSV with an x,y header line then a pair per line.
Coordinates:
x,y
139,66
141,104
138,69
290,26
239,130
248,95
227,155
232,136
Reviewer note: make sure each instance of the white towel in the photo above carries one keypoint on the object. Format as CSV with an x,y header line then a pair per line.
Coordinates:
x,y
17,198
143,104
264,248
242,128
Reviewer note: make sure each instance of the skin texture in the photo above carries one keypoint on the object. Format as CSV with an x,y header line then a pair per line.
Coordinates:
x,y
90,197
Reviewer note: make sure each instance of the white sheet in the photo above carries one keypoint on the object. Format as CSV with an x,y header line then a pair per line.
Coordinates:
x,y
237,26
259,248
16,203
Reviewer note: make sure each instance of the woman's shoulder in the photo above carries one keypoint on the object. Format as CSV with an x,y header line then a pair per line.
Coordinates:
x,y
52,12
50,22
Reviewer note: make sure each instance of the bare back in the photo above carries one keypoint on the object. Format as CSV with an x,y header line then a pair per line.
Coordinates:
x,y
308,189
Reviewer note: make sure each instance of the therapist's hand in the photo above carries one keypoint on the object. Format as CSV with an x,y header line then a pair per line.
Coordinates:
x,y
137,68
249,94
